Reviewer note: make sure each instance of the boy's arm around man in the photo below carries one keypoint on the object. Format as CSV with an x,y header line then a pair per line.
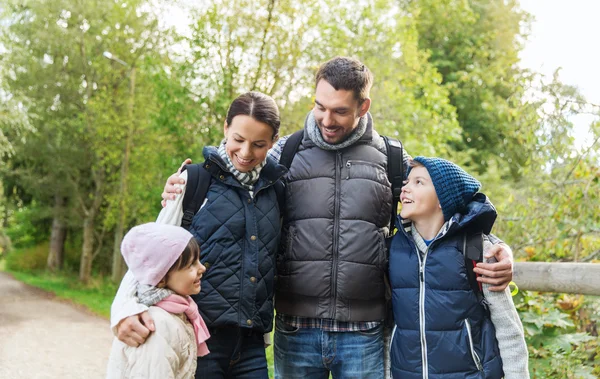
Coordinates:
x,y
509,330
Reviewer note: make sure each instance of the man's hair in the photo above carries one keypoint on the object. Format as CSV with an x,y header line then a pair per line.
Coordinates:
x,y
349,74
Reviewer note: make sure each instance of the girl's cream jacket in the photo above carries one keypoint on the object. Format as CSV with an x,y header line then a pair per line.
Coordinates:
x,y
170,352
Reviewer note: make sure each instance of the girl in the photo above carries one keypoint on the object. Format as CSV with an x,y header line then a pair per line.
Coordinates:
x,y
237,228
443,328
163,256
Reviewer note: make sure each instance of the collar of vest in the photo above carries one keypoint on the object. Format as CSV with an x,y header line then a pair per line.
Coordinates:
x,y
366,138
480,215
269,174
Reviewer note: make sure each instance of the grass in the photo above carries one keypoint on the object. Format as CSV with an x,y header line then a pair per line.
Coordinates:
x,y
97,296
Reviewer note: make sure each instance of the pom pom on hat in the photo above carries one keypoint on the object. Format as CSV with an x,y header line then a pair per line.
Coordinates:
x,y
453,186
151,249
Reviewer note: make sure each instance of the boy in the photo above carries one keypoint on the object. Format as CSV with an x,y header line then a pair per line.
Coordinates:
x,y
442,329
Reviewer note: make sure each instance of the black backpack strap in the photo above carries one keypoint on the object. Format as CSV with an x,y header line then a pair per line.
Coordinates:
x,y
197,184
290,148
473,253
395,166
280,192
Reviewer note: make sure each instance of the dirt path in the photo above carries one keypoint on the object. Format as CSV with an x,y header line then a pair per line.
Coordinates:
x,y
41,337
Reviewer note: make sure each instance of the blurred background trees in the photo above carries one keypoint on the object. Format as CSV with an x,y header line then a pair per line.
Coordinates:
x,y
101,100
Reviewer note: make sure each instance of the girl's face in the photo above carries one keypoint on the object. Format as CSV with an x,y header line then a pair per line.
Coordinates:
x,y
248,142
187,280
419,199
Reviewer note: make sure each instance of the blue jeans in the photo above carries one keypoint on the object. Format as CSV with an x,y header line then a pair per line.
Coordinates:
x,y
234,353
312,353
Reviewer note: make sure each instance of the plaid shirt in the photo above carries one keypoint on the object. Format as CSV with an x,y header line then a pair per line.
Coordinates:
x,y
306,322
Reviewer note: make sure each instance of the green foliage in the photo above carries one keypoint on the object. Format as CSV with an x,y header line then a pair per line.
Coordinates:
x,y
474,45
28,226
28,259
561,326
447,83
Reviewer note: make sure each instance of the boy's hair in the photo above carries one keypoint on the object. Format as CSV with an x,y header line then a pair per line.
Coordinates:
x,y
257,105
188,257
348,74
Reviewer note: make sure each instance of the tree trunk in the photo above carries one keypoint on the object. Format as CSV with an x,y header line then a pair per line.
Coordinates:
x,y
117,260
57,235
87,253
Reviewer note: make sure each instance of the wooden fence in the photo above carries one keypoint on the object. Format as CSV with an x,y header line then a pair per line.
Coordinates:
x,y
578,278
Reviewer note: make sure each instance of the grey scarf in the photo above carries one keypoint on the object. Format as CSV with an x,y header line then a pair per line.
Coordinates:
x,y
315,134
150,295
246,179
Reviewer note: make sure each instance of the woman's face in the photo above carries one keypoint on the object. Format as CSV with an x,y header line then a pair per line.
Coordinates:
x,y
248,142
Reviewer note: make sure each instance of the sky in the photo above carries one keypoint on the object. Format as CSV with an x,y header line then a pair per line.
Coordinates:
x,y
565,34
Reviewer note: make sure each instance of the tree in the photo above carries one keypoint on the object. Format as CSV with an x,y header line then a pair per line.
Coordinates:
x,y
474,45
77,101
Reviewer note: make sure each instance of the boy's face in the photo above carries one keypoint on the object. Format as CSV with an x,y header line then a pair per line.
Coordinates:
x,y
418,197
186,281
337,112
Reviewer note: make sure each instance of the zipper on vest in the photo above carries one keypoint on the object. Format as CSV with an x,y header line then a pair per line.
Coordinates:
x,y
472,348
336,231
422,312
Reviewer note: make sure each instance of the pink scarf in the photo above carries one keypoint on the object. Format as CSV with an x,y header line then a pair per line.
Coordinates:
x,y
180,304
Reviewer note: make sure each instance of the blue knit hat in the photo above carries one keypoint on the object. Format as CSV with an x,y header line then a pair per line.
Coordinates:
x,y
453,186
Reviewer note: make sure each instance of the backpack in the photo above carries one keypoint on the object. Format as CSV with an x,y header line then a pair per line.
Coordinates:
x,y
472,250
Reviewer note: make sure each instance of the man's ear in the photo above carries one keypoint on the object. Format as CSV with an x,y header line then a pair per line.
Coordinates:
x,y
364,107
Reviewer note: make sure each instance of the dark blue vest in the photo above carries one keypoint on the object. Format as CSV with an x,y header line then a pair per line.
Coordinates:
x,y
238,237
442,331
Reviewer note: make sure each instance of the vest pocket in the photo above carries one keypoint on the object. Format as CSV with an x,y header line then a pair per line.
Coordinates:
x,y
472,347
365,170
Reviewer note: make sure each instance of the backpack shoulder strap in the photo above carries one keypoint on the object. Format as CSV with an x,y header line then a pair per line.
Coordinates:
x,y
473,253
197,184
290,148
395,168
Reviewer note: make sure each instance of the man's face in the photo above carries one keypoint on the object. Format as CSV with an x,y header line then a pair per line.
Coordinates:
x,y
337,112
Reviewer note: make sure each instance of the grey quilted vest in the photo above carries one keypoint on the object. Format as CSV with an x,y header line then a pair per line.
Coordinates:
x,y
333,256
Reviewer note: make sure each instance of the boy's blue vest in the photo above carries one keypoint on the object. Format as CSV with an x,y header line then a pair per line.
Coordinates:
x,y
441,331
238,237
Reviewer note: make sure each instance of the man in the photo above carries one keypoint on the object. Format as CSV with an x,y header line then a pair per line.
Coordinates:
x,y
330,292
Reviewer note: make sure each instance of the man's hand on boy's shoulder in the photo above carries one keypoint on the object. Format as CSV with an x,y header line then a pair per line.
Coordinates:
x,y
134,330
498,274
170,189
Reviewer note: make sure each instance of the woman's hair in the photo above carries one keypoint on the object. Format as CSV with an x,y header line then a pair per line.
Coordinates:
x,y
188,257
257,105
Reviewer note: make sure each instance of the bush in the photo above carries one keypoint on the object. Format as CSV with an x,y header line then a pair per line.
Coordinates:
x,y
28,259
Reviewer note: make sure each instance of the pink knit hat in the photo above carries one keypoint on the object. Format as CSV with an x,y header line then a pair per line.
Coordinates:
x,y
151,249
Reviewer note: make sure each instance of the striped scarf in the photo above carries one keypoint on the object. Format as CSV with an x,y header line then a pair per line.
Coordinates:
x,y
315,134
246,179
